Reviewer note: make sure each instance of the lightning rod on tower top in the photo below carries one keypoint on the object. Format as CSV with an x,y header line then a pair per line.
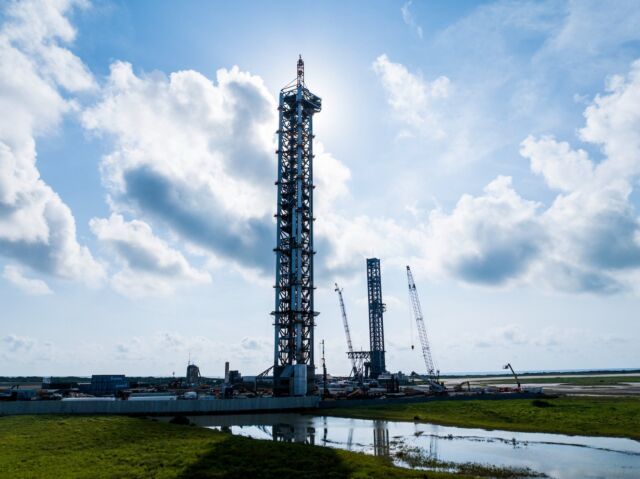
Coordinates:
x,y
300,70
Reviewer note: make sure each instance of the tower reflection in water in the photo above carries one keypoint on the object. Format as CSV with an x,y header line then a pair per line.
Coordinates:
x,y
382,445
381,439
300,433
433,444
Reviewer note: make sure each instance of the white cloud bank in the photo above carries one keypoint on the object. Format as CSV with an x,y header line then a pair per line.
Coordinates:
x,y
15,275
588,239
149,264
15,349
164,351
190,156
487,239
36,227
412,98
197,156
194,155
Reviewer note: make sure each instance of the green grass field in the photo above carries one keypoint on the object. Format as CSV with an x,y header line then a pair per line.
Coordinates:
x,y
116,446
589,416
119,447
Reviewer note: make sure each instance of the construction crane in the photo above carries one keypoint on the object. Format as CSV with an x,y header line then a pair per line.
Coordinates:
x,y
354,368
432,373
508,366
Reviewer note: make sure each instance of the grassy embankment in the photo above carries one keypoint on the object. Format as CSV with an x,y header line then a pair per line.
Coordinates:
x,y
589,416
115,447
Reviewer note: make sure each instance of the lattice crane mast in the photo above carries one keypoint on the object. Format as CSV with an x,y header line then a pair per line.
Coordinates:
x,y
422,330
354,368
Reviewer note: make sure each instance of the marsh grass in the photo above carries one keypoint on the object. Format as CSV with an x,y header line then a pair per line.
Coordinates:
x,y
575,380
417,458
589,416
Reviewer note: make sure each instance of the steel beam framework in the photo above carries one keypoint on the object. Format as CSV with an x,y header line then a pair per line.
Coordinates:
x,y
422,329
376,323
345,322
362,360
294,311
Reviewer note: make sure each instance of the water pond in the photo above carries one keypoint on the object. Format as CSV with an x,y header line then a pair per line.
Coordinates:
x,y
556,455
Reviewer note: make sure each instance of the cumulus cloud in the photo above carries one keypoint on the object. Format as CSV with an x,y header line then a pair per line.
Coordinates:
x,y
587,239
18,344
411,97
15,275
488,239
25,349
561,167
594,223
149,264
448,119
209,354
194,155
36,227
197,156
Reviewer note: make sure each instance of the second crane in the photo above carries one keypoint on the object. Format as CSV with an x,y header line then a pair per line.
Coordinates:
x,y
432,373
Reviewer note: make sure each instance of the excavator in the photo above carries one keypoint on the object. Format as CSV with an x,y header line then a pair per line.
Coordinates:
x,y
508,366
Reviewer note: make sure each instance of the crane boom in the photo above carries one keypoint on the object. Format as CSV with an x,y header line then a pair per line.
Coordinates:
x,y
346,330
422,330
508,366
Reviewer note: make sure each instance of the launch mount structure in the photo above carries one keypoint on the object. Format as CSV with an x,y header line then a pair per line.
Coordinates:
x,y
294,314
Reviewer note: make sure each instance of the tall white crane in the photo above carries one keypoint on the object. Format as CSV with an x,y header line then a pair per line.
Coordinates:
x,y
347,332
422,330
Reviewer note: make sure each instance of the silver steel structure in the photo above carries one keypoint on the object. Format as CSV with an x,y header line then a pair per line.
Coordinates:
x,y
294,312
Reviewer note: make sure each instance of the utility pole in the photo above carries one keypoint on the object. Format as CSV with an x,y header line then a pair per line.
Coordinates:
x,y
325,389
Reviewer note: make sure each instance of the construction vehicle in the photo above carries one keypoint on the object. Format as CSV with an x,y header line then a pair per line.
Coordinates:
x,y
460,386
433,375
508,366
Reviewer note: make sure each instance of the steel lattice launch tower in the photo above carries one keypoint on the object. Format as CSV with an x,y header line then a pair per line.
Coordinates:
x,y
376,324
294,370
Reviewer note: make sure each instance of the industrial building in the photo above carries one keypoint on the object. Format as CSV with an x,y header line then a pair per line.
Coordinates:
x,y
104,385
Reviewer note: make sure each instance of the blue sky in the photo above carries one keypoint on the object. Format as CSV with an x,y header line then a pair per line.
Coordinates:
x,y
493,146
